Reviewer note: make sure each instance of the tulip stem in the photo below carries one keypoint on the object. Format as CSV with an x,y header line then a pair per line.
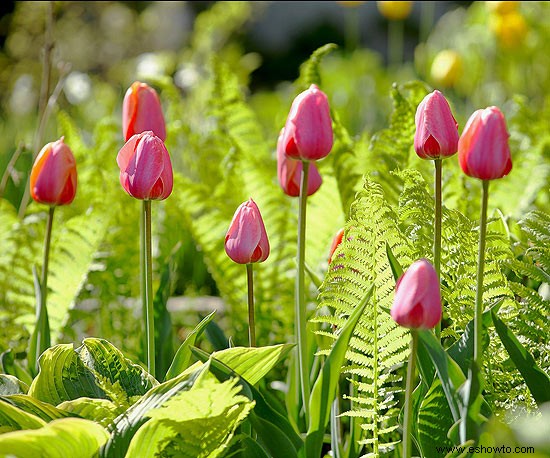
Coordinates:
x,y
395,42
480,268
437,230
147,288
300,299
251,323
407,420
41,335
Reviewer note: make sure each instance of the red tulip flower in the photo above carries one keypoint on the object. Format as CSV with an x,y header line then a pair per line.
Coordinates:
x,y
289,172
417,301
246,240
436,134
483,150
53,175
308,129
145,167
337,240
141,111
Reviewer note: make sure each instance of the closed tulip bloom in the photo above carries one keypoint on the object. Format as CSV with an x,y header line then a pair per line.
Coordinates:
x,y
436,134
141,111
308,130
394,11
289,173
483,150
336,241
417,301
145,167
246,239
53,175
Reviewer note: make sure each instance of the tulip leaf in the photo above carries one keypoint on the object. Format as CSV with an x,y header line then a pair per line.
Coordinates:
x,y
66,437
447,369
396,268
536,379
183,355
96,370
40,338
324,389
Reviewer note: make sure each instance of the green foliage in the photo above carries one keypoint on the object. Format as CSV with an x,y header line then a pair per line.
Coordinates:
x,y
195,423
58,439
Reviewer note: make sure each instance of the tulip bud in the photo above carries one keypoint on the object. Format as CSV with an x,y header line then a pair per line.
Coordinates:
x,y
246,239
308,130
145,167
417,301
337,240
394,10
446,69
483,150
436,129
289,172
141,111
53,175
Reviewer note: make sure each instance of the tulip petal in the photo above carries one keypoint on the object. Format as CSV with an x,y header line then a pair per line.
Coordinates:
x,y
243,235
145,166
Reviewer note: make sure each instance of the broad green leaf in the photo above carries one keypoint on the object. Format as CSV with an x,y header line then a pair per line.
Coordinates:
x,y
13,418
271,424
31,405
324,389
246,447
10,384
95,370
197,423
536,379
126,424
253,363
10,366
449,372
183,355
470,391
434,420
63,438
101,411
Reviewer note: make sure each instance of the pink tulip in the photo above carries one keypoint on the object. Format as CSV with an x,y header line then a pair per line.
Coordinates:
x,y
436,134
417,301
246,239
289,172
53,175
308,129
336,241
483,150
141,111
145,167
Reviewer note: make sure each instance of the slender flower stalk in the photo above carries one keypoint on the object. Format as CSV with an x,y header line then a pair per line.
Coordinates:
x,y
251,320
300,296
480,268
437,229
409,387
148,287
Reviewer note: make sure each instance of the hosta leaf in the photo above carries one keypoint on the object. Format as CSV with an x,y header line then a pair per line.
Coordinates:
x,y
193,424
31,405
11,385
66,437
101,411
95,370
13,418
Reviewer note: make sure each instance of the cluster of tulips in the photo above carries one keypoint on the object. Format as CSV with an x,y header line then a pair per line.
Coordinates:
x,y
146,174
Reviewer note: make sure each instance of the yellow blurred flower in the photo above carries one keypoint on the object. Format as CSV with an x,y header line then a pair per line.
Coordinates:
x,y
510,29
502,7
446,68
394,10
350,4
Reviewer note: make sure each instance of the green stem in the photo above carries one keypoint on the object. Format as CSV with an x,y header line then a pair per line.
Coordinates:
x,y
251,323
147,277
395,42
437,230
480,268
408,396
427,15
43,341
352,28
300,299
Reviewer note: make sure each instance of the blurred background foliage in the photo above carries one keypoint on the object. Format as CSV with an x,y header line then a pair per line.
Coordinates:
x,y
213,62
